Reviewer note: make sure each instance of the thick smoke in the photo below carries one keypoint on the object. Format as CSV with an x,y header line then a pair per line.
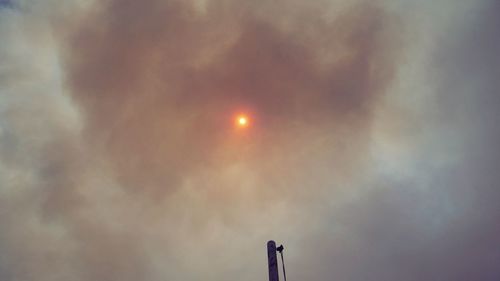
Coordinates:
x,y
159,80
370,156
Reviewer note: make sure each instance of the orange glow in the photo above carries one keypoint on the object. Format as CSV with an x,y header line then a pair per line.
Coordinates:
x,y
242,121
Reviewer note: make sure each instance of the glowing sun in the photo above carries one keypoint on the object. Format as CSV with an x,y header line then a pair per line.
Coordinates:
x,y
242,121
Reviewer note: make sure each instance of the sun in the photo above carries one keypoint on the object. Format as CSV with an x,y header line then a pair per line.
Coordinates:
x,y
242,121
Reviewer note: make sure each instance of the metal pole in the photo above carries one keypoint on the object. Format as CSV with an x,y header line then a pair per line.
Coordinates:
x,y
272,261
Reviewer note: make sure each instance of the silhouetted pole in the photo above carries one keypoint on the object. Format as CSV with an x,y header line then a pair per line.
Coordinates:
x,y
272,261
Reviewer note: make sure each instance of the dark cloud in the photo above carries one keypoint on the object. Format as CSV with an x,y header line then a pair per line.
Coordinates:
x,y
160,80
5,3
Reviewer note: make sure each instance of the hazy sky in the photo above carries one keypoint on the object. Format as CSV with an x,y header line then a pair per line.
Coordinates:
x,y
372,150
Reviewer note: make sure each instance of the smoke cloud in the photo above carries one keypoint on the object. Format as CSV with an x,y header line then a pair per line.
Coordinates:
x,y
370,156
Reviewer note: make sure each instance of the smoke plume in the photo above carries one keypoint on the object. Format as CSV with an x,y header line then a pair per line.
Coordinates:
x,y
370,154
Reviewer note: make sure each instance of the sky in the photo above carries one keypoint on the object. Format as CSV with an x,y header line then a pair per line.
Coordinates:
x,y
371,151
